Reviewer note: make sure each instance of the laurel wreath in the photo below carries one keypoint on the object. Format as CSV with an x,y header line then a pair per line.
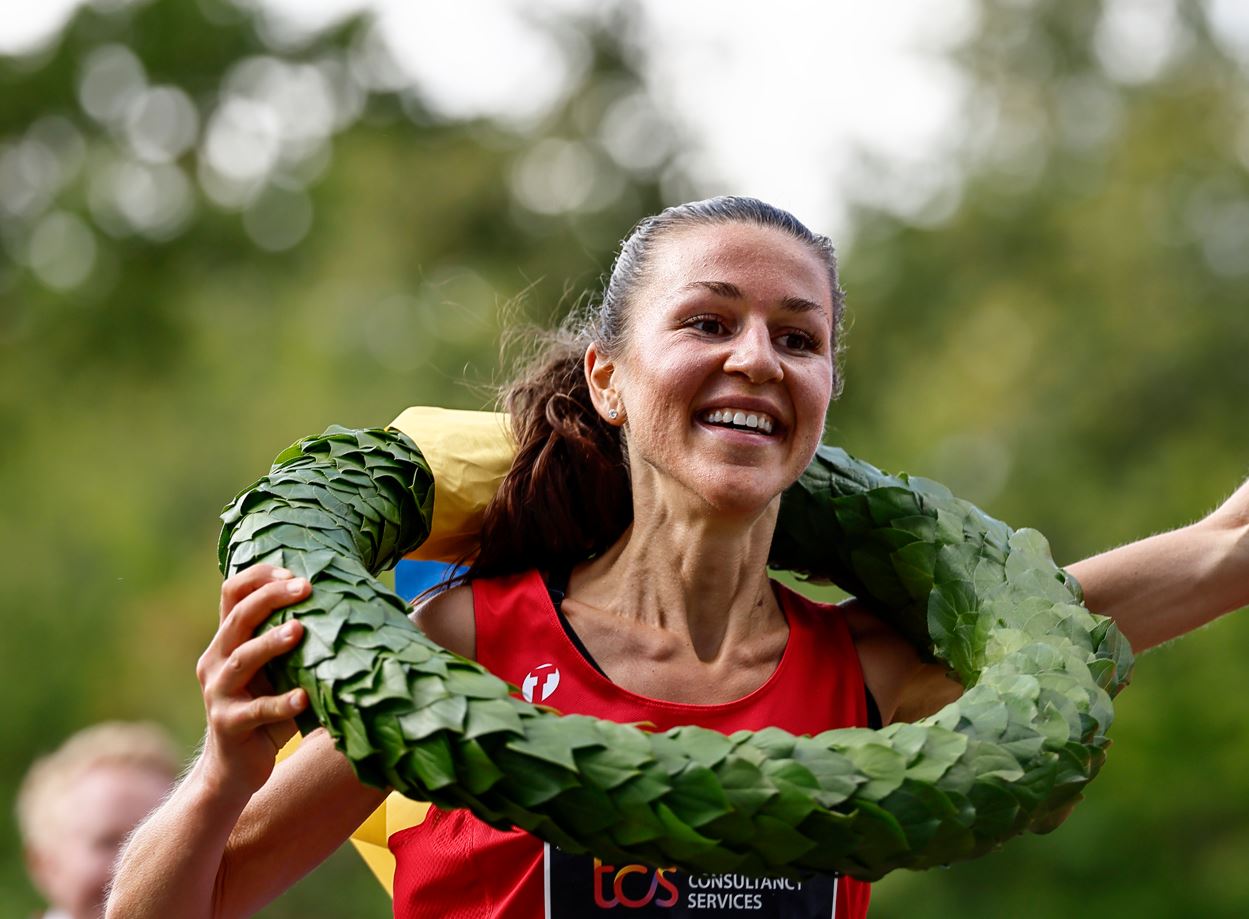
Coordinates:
x,y
1010,755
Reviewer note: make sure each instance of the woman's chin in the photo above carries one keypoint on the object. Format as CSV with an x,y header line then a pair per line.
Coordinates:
x,y
708,484
740,497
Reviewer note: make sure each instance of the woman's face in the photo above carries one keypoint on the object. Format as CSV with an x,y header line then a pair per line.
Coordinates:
x,y
727,369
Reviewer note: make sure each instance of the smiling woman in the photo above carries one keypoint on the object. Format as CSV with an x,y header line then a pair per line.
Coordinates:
x,y
623,574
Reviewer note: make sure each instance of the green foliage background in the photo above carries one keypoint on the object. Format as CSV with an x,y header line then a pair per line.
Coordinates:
x,y
1064,342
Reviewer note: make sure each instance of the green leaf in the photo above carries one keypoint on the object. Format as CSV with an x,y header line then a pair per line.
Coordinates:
x,y
477,770
496,717
778,843
696,796
442,715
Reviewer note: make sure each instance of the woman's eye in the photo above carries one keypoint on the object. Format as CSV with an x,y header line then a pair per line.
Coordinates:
x,y
709,325
798,341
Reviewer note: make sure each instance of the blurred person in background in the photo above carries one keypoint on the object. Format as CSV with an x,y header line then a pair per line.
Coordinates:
x,y
77,805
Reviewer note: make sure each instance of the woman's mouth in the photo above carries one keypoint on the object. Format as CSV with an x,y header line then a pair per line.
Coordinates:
x,y
740,419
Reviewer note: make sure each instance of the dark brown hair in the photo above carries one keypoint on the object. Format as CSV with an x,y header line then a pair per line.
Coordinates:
x,y
567,496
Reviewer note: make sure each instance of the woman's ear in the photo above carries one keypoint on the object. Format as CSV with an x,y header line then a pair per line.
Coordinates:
x,y
601,375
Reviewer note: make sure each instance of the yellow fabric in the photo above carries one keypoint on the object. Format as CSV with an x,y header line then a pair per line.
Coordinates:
x,y
394,814
469,453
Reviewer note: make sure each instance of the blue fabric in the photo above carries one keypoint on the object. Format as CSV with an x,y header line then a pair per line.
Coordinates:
x,y
413,577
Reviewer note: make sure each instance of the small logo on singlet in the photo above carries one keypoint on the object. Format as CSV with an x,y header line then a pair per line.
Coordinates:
x,y
540,682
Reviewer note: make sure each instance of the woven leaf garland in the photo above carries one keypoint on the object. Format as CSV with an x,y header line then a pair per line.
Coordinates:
x,y
1010,755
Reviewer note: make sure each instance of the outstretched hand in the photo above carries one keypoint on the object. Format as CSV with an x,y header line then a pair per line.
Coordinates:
x,y
247,723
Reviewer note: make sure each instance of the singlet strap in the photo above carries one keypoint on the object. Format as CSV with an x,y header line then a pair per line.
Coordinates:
x,y
874,721
557,588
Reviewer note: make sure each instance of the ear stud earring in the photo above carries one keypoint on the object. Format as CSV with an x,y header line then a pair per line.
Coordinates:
x,y
612,413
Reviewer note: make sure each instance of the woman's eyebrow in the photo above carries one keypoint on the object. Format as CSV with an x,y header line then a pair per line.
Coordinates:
x,y
733,292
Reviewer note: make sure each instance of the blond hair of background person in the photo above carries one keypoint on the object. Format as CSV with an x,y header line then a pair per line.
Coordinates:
x,y
77,805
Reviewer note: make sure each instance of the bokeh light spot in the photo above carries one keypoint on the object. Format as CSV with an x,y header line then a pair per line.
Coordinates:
x,y
279,218
112,77
62,250
161,124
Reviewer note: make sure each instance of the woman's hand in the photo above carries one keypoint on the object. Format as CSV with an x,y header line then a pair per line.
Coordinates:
x,y
247,724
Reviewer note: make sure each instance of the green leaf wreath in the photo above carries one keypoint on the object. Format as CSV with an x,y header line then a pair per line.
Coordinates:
x,y
1012,754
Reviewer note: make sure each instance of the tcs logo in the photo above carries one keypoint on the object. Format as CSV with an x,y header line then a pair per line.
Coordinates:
x,y
633,886
540,682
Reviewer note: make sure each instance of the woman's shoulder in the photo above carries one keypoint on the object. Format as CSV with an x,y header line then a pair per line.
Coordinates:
x,y
450,616
867,626
860,621
447,618
905,686
874,637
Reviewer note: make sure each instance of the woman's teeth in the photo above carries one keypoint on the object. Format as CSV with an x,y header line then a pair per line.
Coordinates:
x,y
735,418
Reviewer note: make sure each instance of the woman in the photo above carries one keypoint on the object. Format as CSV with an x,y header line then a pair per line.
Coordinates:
x,y
653,447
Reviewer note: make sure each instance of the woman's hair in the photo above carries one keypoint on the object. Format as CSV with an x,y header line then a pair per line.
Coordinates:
x,y
567,496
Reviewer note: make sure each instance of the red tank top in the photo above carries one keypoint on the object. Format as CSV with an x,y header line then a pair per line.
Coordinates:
x,y
454,866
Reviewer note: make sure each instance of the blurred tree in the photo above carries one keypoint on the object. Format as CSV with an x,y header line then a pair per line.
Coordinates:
x,y
216,240
1062,337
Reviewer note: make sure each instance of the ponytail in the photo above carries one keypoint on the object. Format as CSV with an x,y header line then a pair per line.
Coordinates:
x,y
567,496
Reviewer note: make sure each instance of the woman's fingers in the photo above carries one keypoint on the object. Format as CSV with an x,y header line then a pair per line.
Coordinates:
x,y
232,709
245,719
255,608
245,661
239,718
238,586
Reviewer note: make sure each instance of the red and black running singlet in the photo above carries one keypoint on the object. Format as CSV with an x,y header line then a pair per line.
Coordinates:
x,y
453,866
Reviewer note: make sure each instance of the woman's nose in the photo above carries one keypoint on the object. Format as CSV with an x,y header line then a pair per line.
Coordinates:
x,y
754,356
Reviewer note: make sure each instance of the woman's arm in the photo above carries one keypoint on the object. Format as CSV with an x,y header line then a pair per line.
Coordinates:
x,y
1166,585
447,618
201,854
905,687
236,832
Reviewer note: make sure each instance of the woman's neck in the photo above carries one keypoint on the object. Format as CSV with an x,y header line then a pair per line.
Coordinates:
x,y
701,577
